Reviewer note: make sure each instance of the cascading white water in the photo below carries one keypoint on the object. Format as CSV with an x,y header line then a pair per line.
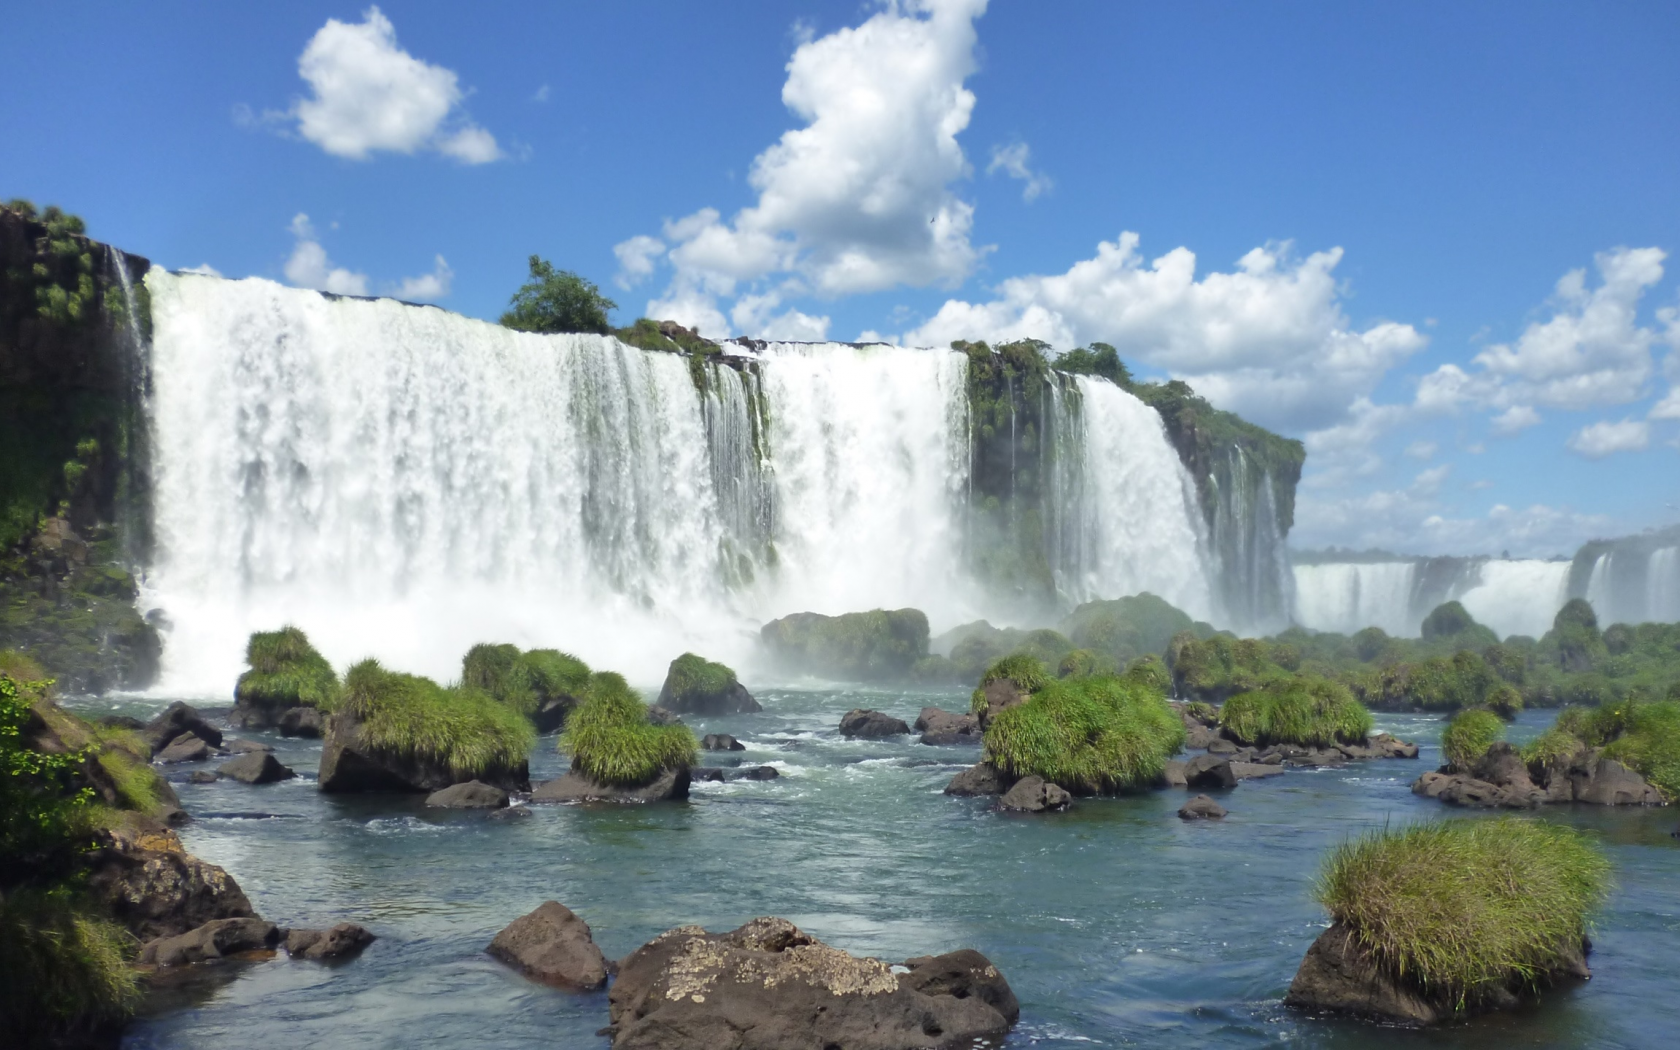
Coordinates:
x,y
1349,596
1134,525
1519,596
1662,583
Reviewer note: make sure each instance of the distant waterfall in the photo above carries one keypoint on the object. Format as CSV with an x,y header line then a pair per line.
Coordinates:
x,y
1255,584
1630,580
1511,596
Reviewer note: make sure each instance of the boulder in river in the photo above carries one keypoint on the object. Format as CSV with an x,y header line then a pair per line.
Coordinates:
x,y
255,767
942,728
871,725
341,940
720,742
1500,779
982,778
173,721
770,986
697,686
184,748
1035,795
670,785
554,946
306,722
1201,808
874,646
473,794
156,888
285,675
1209,771
216,939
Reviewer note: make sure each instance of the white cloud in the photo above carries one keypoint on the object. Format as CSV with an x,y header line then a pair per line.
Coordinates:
x,y
1409,520
541,94
1421,449
1338,454
1013,160
1428,482
371,95
426,287
859,198
1514,420
754,313
1668,407
202,268
309,266
1591,351
1605,438
636,258
1268,340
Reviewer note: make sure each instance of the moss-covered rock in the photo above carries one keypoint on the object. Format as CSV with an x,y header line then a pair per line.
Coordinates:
x,y
612,742
544,685
1303,710
1468,737
1645,737
874,646
1215,668
1091,735
284,672
400,732
1126,628
697,686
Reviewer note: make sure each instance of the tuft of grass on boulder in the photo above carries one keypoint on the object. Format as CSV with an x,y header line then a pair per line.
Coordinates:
x,y
1468,737
528,682
1304,710
692,675
285,672
611,741
463,729
1464,909
1027,672
1091,735
1645,737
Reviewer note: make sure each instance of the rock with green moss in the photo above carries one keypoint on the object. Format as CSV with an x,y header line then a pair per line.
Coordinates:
x,y
877,646
697,686
394,732
1094,735
1220,666
284,673
544,685
1126,628
1302,710
618,754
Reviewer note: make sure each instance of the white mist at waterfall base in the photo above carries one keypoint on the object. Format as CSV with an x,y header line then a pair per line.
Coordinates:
x,y
1520,596
1347,597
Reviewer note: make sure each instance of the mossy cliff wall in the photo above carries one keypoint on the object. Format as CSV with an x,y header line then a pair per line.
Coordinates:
x,y
73,520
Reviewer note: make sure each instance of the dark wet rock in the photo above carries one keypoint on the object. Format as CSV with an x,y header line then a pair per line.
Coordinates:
x,y
982,778
1613,784
1393,747
671,785
157,889
1197,736
554,946
942,728
342,940
306,722
1221,746
243,747
1201,808
257,767
757,773
721,742
663,716
202,776
473,794
1501,779
216,939
1255,770
184,748
1458,789
871,725
1312,756
1035,795
1000,696
706,774
350,764
770,986
176,719
511,813
1209,771
1339,976
1172,775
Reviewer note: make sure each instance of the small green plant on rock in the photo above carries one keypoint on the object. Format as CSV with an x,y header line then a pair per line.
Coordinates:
x,y
463,729
285,672
1468,737
612,742
1303,710
1089,735
1465,909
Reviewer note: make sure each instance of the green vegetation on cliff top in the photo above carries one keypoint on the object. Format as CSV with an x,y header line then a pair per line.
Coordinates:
x,y
557,301
612,742
1461,909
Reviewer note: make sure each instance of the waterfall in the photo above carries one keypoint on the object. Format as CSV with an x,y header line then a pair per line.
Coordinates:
x,y
1255,582
1349,596
1518,596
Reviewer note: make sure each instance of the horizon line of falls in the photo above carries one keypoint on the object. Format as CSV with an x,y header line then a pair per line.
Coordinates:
x,y
403,482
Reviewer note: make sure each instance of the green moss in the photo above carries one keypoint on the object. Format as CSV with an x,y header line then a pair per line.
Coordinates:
x,y
1214,668
697,676
66,968
1550,748
1465,909
1468,737
284,672
612,742
1151,673
1026,671
879,645
463,729
136,781
1097,734
1303,710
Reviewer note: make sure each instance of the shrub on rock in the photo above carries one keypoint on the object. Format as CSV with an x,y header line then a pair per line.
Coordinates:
x,y
1304,710
1441,919
1645,737
284,672
1088,735
1125,628
401,732
879,645
697,686
1468,737
542,684
1220,666
612,742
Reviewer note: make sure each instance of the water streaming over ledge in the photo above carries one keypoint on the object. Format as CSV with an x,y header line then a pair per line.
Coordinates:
x,y
404,482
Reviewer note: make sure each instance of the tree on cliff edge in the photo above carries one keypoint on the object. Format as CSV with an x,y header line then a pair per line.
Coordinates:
x,y
558,301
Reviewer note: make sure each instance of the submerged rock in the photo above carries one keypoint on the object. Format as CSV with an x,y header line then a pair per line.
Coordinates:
x,y
554,946
244,747
473,794
871,725
696,686
663,716
770,986
1202,808
256,767
1035,795
720,742
942,728
671,785
344,939
982,778
216,939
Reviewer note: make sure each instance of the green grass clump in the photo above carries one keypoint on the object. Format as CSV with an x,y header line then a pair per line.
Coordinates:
x,y
66,968
1469,735
1554,746
1650,745
1304,710
692,675
1090,735
1214,668
136,781
1505,700
612,742
1149,671
285,672
1462,908
524,681
464,729
1027,672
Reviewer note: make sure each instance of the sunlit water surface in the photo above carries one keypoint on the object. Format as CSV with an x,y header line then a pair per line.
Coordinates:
x,y
1116,923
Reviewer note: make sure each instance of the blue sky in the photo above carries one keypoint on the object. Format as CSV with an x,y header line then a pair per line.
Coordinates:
x,y
1366,216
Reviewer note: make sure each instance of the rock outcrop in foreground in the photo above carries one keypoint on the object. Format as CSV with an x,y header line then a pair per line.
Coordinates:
x,y
770,986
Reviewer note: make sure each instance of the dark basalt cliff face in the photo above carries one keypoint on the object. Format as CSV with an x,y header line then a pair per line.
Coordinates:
x,y
73,521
